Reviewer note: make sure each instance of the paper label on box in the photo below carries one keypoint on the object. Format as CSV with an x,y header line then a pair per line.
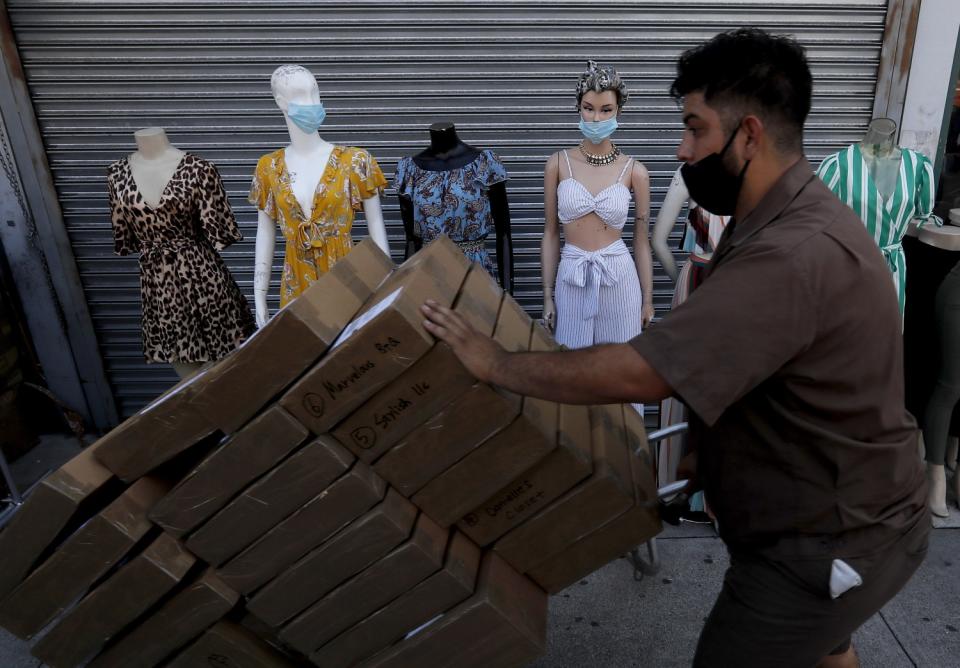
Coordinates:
x,y
367,317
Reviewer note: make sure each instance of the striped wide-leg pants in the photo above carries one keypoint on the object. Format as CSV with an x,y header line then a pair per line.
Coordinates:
x,y
598,297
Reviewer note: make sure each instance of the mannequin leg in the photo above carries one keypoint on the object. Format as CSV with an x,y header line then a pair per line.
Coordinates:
x,y
946,393
186,369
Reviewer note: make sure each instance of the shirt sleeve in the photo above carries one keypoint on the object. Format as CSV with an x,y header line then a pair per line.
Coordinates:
x,y
829,173
261,190
125,241
750,316
401,180
216,216
926,193
495,171
366,178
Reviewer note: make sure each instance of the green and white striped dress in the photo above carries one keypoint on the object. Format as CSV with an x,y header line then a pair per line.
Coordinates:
x,y
846,173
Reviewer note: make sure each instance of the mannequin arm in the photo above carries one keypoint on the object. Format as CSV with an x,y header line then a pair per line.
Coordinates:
x,y
413,243
550,243
263,263
500,208
375,227
640,180
666,219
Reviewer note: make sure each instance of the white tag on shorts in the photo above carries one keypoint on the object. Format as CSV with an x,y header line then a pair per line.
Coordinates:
x,y
843,578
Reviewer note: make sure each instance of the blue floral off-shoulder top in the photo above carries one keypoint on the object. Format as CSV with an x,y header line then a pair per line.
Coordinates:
x,y
453,202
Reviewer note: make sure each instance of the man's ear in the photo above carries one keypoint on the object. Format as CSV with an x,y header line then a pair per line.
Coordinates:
x,y
755,133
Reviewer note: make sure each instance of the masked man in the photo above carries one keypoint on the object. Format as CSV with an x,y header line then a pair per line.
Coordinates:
x,y
789,358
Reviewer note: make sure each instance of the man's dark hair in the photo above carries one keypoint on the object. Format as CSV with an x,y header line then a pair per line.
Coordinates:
x,y
749,71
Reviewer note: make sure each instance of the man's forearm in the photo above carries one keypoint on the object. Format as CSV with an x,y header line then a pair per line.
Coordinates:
x,y
601,374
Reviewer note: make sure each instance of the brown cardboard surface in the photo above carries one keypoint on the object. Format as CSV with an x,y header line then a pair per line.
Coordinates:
x,y
431,383
447,437
378,585
246,455
347,498
384,340
503,624
294,338
643,469
81,560
607,493
438,593
568,464
57,500
270,500
228,645
495,463
177,622
108,609
341,557
156,434
639,524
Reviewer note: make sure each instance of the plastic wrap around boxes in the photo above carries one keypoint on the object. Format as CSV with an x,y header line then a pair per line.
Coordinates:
x,y
339,491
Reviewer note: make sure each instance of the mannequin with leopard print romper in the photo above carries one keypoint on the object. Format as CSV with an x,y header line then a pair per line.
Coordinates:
x,y
172,209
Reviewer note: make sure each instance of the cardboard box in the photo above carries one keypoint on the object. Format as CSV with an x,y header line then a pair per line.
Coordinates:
x,y
294,339
181,619
81,560
270,500
385,339
448,437
430,384
347,498
103,614
378,585
228,645
445,438
341,557
60,498
156,434
440,592
607,493
242,458
639,524
570,463
503,624
492,465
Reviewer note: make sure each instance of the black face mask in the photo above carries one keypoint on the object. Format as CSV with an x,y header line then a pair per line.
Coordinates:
x,y
711,185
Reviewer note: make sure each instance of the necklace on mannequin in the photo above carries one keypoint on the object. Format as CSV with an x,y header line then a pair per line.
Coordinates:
x,y
603,158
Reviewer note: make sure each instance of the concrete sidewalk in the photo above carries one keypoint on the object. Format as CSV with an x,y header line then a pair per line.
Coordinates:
x,y
612,620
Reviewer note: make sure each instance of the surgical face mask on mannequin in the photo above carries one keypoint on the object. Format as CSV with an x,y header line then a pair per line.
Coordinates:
x,y
711,184
307,117
598,115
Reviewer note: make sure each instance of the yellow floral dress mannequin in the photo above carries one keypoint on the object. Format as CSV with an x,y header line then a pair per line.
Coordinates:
x,y
315,244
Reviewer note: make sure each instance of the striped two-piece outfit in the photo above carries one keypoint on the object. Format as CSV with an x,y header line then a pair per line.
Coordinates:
x,y
847,174
598,295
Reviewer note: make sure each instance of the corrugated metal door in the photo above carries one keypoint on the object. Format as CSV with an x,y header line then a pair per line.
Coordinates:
x,y
503,71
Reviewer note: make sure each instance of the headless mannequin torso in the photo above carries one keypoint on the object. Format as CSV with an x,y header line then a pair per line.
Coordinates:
x,y
153,165
448,152
306,158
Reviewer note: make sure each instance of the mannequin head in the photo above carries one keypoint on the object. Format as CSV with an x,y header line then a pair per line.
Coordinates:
x,y
293,83
880,139
601,93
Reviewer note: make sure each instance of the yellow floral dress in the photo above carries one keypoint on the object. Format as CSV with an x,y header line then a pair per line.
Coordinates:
x,y
313,246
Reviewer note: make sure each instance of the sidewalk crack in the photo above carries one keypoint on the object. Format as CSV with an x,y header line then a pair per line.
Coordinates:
x,y
895,637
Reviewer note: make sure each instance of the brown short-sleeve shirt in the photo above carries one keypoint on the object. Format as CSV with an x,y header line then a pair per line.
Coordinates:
x,y
789,356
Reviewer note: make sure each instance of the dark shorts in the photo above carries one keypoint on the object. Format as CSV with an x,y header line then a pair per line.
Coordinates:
x,y
779,612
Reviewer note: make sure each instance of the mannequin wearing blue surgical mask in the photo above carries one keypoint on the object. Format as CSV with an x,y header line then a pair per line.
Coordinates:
x,y
298,97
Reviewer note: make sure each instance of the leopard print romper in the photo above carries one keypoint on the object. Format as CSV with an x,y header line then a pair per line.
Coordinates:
x,y
193,310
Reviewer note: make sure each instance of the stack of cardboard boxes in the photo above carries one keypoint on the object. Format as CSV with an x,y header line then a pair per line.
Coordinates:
x,y
339,491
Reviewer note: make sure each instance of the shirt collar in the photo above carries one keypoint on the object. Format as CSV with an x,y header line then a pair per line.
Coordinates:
x,y
777,199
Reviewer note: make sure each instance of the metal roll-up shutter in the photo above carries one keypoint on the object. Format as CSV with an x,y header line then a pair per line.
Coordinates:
x,y
503,71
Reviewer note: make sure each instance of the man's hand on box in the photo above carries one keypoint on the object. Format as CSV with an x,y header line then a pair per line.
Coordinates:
x,y
479,354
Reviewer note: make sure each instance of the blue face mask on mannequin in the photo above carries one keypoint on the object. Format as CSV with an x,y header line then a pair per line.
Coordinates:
x,y
597,131
307,117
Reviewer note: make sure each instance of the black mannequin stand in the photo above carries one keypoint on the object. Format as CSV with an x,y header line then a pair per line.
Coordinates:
x,y
448,152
